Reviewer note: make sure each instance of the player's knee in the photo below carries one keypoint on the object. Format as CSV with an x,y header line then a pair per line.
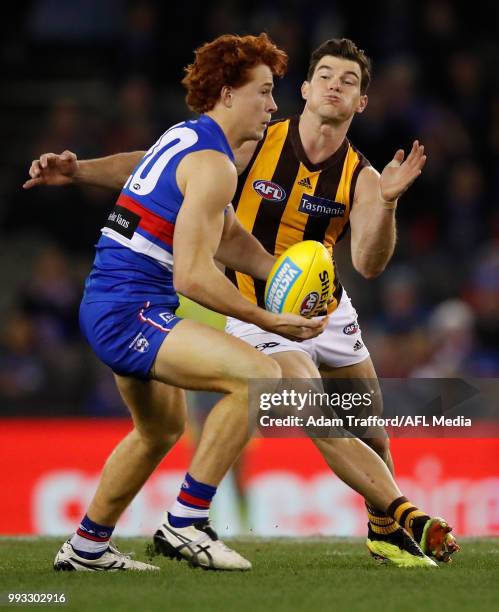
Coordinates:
x,y
159,445
260,367
268,368
173,434
159,440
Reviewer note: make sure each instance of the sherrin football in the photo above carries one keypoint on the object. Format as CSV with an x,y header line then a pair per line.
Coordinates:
x,y
301,280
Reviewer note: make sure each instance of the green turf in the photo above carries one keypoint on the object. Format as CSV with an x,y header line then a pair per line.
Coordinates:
x,y
320,574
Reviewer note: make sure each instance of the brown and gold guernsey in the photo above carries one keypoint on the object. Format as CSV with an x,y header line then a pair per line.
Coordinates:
x,y
282,198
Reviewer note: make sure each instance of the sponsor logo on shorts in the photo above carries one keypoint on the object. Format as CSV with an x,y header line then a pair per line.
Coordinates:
x,y
123,221
140,343
309,303
269,190
321,207
351,329
358,345
285,277
166,317
266,345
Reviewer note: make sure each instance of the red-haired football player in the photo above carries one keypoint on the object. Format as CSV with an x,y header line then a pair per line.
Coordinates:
x,y
321,185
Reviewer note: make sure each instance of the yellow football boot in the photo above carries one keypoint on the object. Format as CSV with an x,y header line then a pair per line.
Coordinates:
x,y
397,548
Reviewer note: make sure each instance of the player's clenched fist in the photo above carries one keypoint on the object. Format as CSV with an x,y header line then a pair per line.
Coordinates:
x,y
52,169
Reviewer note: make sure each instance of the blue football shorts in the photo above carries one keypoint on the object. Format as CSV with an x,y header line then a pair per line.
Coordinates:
x,y
127,337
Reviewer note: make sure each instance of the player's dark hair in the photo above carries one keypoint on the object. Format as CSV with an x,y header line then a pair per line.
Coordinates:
x,y
347,49
226,61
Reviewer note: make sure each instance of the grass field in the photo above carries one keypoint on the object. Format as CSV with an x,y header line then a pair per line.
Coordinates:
x,y
317,574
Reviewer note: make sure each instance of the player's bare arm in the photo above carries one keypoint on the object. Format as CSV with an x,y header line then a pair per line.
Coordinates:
x,y
198,232
240,249
57,169
372,218
65,168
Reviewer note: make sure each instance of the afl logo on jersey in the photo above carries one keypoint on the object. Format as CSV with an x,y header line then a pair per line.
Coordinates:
x,y
269,190
351,329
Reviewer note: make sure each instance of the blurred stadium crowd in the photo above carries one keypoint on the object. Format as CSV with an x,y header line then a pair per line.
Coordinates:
x,y
101,77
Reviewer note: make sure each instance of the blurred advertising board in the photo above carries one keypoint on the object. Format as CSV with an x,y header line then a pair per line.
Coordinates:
x,y
50,467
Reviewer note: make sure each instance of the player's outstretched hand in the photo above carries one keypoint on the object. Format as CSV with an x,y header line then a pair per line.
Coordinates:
x,y
399,175
52,169
298,328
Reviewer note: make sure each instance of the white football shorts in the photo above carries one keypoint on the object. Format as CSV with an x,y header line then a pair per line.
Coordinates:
x,y
339,345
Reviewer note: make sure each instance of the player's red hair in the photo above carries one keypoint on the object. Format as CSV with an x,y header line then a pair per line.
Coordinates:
x,y
226,61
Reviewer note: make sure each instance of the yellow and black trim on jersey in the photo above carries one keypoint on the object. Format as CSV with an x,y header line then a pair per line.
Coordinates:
x,y
282,198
